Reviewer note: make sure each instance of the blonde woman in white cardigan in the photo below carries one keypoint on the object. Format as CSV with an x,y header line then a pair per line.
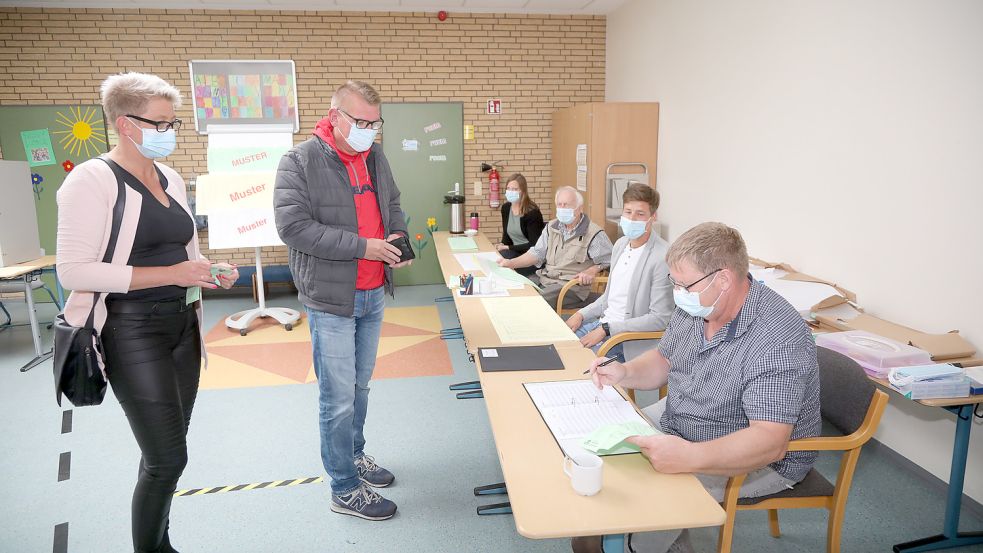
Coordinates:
x,y
151,332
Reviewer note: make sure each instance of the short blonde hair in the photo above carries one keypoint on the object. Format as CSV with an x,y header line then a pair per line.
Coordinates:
x,y
576,193
361,88
710,246
129,93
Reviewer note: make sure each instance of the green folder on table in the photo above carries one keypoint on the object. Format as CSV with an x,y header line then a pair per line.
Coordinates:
x,y
462,243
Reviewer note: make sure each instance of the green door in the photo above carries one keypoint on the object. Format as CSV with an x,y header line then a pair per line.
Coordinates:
x,y
74,134
424,143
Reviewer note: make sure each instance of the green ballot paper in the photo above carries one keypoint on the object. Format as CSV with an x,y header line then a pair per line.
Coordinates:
x,y
216,270
459,243
192,295
610,438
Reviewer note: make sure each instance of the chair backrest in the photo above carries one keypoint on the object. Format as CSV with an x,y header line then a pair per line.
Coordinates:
x,y
845,390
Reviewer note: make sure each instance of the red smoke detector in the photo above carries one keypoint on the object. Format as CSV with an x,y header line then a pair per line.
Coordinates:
x,y
442,15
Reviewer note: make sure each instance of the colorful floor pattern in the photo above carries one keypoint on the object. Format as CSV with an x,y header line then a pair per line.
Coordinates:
x,y
410,346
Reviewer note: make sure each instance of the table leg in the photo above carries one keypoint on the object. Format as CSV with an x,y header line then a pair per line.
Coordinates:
x,y
950,536
35,328
59,290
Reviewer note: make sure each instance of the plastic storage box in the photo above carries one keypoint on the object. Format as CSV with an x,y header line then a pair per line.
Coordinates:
x,y
934,389
876,354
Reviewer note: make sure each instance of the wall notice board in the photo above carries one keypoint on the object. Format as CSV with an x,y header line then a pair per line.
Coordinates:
x,y
424,143
53,140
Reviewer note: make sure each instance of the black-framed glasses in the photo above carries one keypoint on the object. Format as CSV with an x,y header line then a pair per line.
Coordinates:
x,y
692,284
162,126
362,123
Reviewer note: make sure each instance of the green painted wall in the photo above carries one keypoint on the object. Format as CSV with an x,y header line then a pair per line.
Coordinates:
x,y
78,133
424,143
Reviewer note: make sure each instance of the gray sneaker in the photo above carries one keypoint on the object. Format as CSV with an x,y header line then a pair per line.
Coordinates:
x,y
363,502
372,474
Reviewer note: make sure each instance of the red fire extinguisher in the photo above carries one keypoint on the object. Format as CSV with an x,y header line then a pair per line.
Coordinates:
x,y
493,187
492,170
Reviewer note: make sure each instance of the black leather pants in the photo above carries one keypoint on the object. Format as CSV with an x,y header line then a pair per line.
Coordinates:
x,y
153,365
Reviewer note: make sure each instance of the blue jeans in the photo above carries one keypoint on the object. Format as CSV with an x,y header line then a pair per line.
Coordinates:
x,y
344,357
587,327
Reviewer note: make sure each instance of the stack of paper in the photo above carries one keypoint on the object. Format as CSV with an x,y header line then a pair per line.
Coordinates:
x,y
526,320
939,380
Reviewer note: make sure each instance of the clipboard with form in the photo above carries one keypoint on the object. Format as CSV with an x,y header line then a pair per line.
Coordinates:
x,y
573,409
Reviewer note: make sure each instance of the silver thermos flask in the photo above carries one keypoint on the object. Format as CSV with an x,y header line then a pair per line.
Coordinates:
x,y
456,201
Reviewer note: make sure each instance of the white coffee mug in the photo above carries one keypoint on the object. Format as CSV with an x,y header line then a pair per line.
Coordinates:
x,y
485,286
584,470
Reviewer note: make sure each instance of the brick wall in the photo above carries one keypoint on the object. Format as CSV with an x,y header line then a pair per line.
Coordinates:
x,y
535,64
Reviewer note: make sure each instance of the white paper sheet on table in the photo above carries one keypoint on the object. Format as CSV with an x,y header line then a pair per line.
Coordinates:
x,y
802,295
467,261
762,274
526,320
490,267
472,261
493,294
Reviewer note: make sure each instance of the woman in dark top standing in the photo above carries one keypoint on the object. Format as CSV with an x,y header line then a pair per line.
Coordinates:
x,y
145,300
522,221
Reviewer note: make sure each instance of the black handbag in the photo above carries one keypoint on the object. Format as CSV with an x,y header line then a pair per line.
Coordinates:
x,y
77,350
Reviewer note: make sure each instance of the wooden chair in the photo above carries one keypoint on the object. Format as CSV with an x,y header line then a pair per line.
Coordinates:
x,y
627,337
596,287
852,404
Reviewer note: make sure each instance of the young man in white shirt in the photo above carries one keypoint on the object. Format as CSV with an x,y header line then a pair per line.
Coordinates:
x,y
638,296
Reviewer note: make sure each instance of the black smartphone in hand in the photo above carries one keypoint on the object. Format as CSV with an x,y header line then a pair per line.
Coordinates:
x,y
405,250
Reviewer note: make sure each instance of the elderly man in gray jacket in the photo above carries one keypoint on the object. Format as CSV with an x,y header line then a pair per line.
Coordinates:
x,y
337,208
638,296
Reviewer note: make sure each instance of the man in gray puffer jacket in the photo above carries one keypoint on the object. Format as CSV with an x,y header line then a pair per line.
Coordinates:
x,y
337,205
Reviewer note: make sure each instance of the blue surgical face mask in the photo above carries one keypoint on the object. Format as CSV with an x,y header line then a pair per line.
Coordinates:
x,y
155,144
359,139
690,301
632,229
512,195
565,215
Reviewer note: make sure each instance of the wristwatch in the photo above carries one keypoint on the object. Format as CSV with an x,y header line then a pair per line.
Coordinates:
x,y
607,329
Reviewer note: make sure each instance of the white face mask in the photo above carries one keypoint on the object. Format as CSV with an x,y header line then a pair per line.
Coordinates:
x,y
633,229
690,301
359,139
155,144
565,215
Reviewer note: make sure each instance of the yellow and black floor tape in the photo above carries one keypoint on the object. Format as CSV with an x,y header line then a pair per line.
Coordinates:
x,y
247,487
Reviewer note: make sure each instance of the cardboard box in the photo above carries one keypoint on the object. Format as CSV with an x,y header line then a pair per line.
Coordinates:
x,y
832,301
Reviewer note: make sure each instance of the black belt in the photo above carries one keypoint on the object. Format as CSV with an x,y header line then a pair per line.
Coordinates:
x,y
145,307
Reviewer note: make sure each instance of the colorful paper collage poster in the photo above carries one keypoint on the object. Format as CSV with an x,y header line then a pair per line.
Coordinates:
x,y
255,96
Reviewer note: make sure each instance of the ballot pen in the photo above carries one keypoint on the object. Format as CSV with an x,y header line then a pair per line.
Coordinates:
x,y
602,363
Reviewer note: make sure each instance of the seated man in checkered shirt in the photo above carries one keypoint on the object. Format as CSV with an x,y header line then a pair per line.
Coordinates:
x,y
743,379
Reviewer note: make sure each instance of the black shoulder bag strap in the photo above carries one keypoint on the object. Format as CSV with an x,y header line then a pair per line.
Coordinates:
x,y
114,231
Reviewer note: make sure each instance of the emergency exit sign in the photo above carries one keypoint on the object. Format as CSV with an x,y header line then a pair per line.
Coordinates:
x,y
494,107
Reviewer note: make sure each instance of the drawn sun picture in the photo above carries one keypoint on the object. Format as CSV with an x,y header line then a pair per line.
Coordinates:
x,y
85,131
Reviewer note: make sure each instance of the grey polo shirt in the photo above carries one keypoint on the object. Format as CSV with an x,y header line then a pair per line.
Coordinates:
x,y
760,366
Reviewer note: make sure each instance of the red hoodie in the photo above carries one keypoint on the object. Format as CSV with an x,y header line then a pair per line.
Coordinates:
x,y
371,274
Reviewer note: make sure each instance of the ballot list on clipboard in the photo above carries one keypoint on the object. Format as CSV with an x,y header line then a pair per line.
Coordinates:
x,y
573,409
